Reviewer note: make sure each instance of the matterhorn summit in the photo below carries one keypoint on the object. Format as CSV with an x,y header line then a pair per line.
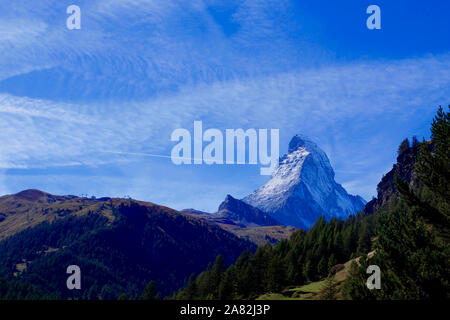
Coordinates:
x,y
303,188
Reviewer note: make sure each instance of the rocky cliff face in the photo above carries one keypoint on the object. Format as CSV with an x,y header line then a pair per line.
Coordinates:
x,y
386,190
303,188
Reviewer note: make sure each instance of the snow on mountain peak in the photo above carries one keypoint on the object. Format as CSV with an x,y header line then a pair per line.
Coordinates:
x,y
303,188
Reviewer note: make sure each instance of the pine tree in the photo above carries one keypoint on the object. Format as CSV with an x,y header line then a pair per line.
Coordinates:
x,y
414,263
307,270
191,291
403,146
329,290
123,296
415,142
331,262
364,242
226,287
216,273
322,266
151,292
433,164
354,286
275,275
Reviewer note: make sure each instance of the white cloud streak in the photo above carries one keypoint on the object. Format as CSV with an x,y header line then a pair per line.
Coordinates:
x,y
43,133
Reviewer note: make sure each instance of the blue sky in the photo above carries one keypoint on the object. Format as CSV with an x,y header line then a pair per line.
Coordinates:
x,y
139,69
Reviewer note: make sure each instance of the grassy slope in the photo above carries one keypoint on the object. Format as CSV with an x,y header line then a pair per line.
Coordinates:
x,y
31,207
259,235
312,290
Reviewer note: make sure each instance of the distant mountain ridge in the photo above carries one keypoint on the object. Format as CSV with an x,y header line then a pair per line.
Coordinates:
x,y
238,210
245,221
303,188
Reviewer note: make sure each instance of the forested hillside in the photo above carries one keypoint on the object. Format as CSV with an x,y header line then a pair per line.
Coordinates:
x,y
119,251
413,246
307,256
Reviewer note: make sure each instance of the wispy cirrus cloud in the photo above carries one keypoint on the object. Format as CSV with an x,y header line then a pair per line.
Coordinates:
x,y
40,132
139,49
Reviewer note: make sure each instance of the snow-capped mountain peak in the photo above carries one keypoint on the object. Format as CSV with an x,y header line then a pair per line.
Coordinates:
x,y
303,188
